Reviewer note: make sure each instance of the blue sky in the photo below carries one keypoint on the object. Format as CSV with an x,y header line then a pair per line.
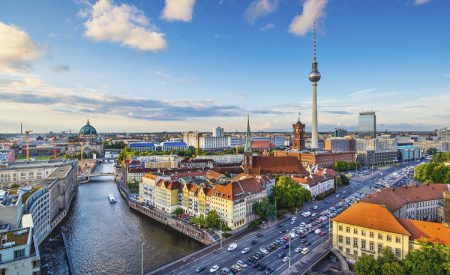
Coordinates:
x,y
195,64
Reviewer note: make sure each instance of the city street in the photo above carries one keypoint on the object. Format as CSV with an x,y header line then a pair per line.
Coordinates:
x,y
225,258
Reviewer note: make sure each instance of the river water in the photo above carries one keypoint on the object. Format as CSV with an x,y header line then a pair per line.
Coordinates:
x,y
106,238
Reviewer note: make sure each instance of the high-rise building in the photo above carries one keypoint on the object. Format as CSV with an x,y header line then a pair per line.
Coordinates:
x,y
367,124
314,77
338,132
299,135
218,132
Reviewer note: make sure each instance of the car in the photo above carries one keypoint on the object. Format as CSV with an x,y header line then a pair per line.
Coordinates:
x,y
322,233
305,250
253,242
259,235
281,231
302,224
255,264
214,268
298,249
285,259
292,222
307,243
281,255
232,246
285,238
315,207
280,225
242,264
200,268
245,250
261,267
294,218
286,246
269,270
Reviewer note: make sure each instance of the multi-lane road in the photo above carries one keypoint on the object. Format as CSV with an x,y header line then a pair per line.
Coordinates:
x,y
224,258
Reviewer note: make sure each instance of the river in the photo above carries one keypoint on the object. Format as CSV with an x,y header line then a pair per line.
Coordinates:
x,y
106,238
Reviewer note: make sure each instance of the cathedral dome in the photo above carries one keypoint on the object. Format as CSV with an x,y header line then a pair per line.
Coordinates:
x,y
88,129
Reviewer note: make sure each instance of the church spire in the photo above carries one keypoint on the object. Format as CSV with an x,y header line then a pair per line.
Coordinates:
x,y
248,137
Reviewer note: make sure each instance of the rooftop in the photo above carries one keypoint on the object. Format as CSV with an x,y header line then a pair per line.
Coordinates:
x,y
432,231
14,238
373,216
395,198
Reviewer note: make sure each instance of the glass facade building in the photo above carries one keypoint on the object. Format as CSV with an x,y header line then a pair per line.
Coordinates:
x,y
367,124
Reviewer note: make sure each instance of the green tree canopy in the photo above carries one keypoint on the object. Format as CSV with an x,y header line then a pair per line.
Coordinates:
x,y
431,258
366,265
289,194
264,209
212,219
394,268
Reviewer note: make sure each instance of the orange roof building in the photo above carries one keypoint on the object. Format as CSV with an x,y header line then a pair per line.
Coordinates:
x,y
430,231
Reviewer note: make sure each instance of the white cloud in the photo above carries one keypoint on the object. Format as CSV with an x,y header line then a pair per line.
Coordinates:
x,y
313,10
267,27
178,10
17,49
122,24
260,8
421,2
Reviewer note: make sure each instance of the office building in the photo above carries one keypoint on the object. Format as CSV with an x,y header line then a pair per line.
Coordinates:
x,y
224,159
340,144
218,132
367,125
338,132
378,157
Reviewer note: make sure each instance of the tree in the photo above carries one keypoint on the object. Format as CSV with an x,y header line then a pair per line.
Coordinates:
x,y
199,221
430,258
289,194
387,256
264,209
178,211
393,268
212,219
432,151
366,265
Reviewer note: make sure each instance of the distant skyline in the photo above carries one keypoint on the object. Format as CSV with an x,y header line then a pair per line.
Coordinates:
x,y
148,66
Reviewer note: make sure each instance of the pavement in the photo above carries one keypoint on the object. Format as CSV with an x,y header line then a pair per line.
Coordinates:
x,y
224,258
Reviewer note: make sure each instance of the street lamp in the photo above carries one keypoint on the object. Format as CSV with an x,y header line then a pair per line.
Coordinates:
x,y
142,259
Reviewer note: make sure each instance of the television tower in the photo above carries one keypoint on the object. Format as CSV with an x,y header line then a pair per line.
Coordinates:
x,y
314,77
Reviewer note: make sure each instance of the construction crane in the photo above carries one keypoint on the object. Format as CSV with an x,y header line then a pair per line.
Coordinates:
x,y
54,147
81,147
27,138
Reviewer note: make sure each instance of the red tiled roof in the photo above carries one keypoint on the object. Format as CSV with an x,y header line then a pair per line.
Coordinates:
x,y
276,165
396,198
370,215
432,231
262,144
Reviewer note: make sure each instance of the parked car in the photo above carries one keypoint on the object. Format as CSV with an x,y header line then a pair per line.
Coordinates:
x,y
214,268
200,268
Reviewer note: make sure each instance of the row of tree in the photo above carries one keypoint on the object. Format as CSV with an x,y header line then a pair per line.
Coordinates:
x,y
343,166
431,258
212,220
435,171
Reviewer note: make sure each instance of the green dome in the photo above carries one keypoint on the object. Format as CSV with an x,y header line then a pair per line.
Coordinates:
x,y
88,129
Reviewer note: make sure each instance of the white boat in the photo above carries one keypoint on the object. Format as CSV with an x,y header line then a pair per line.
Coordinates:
x,y
111,198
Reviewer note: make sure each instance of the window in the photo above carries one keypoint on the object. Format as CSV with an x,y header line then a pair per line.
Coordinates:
x,y
371,234
371,246
380,236
19,253
355,242
341,239
347,250
363,232
347,229
363,244
397,239
340,227
398,252
340,248
347,240
388,238
355,231
355,252
380,248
